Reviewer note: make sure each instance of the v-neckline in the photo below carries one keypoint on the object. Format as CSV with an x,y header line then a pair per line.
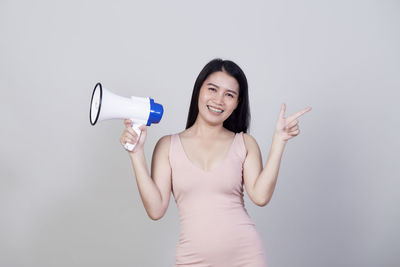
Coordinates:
x,y
219,164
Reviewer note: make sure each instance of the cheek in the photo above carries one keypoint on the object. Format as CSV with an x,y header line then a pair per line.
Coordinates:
x,y
233,102
204,96
202,99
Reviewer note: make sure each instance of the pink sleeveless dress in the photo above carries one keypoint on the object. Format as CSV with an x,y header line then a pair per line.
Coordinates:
x,y
216,230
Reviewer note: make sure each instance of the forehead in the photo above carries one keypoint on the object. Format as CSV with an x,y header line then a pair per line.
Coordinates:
x,y
223,80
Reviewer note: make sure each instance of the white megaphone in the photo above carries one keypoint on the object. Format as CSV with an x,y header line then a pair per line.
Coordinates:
x,y
105,105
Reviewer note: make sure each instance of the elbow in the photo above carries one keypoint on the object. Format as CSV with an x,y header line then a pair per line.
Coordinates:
x,y
155,216
262,202
156,211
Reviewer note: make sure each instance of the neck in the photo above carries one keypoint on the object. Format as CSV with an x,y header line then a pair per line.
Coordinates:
x,y
202,129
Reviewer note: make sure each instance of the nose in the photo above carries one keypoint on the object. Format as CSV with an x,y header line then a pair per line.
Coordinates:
x,y
219,98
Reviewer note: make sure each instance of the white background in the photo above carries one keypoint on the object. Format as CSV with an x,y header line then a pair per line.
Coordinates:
x,y
68,195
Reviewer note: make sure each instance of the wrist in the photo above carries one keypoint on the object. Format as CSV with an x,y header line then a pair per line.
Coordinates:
x,y
278,140
136,153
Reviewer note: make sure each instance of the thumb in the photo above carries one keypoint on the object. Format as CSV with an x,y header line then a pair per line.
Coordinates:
x,y
143,127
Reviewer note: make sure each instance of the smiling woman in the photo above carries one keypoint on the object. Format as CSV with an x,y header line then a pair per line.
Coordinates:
x,y
206,166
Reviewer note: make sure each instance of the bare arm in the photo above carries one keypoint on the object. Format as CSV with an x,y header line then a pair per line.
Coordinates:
x,y
260,182
154,189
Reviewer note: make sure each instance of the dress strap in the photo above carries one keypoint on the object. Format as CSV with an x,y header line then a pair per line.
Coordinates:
x,y
240,146
175,155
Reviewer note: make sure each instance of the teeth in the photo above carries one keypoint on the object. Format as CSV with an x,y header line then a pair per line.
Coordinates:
x,y
215,110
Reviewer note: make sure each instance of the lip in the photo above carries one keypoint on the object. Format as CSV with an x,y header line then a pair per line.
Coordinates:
x,y
215,108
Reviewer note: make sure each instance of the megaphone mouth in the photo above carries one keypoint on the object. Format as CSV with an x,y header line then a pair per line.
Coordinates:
x,y
95,103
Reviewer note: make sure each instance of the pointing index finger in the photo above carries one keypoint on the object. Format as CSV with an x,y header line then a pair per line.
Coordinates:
x,y
298,114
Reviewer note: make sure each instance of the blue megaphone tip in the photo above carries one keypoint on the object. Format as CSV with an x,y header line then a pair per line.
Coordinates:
x,y
156,112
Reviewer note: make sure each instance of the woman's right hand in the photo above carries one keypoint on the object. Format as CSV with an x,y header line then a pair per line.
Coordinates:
x,y
130,136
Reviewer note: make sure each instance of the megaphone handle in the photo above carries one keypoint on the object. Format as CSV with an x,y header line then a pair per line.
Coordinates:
x,y
135,127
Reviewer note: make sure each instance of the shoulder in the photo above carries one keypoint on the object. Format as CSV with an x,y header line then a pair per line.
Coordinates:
x,y
250,142
166,139
163,144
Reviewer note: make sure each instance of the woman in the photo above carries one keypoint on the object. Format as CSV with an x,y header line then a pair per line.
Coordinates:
x,y
205,167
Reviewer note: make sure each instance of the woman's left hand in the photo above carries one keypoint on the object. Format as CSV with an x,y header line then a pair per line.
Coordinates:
x,y
287,128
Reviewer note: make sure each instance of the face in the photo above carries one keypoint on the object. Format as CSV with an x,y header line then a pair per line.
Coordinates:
x,y
218,97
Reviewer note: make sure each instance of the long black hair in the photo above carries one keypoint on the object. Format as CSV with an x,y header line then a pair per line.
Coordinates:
x,y
239,120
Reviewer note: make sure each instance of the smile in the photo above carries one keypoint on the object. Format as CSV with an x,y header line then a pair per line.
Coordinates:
x,y
215,109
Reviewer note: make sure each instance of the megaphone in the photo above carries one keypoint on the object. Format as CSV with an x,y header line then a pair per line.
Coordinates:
x,y
106,105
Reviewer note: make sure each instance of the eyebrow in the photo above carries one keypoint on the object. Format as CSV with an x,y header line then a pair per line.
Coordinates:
x,y
229,90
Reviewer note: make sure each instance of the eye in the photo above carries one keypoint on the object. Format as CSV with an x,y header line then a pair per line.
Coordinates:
x,y
212,89
230,95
